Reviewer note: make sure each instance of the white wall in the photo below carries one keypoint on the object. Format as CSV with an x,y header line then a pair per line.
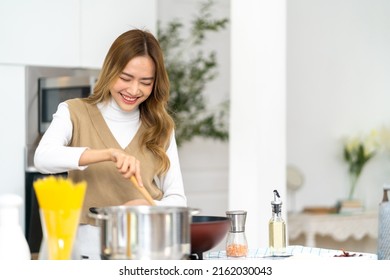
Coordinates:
x,y
205,163
258,84
12,118
338,85
102,21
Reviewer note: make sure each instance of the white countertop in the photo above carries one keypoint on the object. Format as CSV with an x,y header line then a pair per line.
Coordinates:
x,y
291,251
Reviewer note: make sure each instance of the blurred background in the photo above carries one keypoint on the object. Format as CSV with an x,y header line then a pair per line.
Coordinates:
x,y
335,81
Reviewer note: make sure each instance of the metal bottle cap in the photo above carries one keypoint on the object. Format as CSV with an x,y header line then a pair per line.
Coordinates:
x,y
237,218
276,203
386,188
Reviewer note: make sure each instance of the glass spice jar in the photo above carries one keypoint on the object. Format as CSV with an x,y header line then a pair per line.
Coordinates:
x,y
236,243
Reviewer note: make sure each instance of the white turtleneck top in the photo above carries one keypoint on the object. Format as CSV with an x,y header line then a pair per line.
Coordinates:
x,y
54,156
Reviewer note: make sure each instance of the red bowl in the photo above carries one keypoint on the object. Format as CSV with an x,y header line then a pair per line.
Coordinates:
x,y
207,232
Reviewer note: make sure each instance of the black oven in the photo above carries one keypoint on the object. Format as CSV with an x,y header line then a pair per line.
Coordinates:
x,y
52,91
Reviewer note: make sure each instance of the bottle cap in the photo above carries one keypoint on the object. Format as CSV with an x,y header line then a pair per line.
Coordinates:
x,y
386,188
276,203
237,219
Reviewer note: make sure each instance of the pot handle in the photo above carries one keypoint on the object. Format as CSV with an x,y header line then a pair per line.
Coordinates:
x,y
194,211
94,213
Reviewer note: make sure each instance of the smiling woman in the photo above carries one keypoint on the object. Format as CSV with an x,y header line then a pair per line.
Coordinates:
x,y
135,84
121,130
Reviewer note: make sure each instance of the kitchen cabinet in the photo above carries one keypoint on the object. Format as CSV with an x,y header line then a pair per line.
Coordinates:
x,y
70,33
40,32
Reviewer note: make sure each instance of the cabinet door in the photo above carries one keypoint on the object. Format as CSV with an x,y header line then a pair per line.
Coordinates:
x,y
103,21
40,32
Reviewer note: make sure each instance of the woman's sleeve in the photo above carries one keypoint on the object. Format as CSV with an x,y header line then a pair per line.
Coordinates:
x,y
172,183
52,154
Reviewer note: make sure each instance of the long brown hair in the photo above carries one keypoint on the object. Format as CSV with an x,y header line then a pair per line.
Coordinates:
x,y
153,111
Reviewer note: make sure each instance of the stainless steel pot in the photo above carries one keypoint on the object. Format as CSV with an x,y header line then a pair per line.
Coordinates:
x,y
144,232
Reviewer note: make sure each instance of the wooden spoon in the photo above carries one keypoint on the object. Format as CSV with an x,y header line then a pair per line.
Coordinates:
x,y
143,191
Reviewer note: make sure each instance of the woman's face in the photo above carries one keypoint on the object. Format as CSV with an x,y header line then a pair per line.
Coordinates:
x,y
134,84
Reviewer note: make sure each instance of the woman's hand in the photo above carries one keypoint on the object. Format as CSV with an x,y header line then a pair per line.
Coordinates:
x,y
126,164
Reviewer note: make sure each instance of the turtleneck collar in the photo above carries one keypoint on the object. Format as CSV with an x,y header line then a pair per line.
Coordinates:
x,y
112,111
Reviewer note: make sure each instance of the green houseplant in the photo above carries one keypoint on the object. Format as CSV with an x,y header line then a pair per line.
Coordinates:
x,y
190,68
357,152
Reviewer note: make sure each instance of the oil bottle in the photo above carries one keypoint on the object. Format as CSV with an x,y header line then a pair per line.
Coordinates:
x,y
277,228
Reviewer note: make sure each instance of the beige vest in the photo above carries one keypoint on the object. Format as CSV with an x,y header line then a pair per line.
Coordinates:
x,y
105,185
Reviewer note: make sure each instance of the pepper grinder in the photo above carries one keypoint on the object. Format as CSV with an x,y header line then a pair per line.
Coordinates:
x,y
236,243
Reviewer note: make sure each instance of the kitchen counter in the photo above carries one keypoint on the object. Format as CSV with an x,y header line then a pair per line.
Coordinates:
x,y
292,252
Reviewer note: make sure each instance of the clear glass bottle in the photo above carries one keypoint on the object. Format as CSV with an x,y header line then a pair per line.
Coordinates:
x,y
236,243
277,228
13,243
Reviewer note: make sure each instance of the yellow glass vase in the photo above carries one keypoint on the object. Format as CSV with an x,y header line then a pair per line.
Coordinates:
x,y
60,202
